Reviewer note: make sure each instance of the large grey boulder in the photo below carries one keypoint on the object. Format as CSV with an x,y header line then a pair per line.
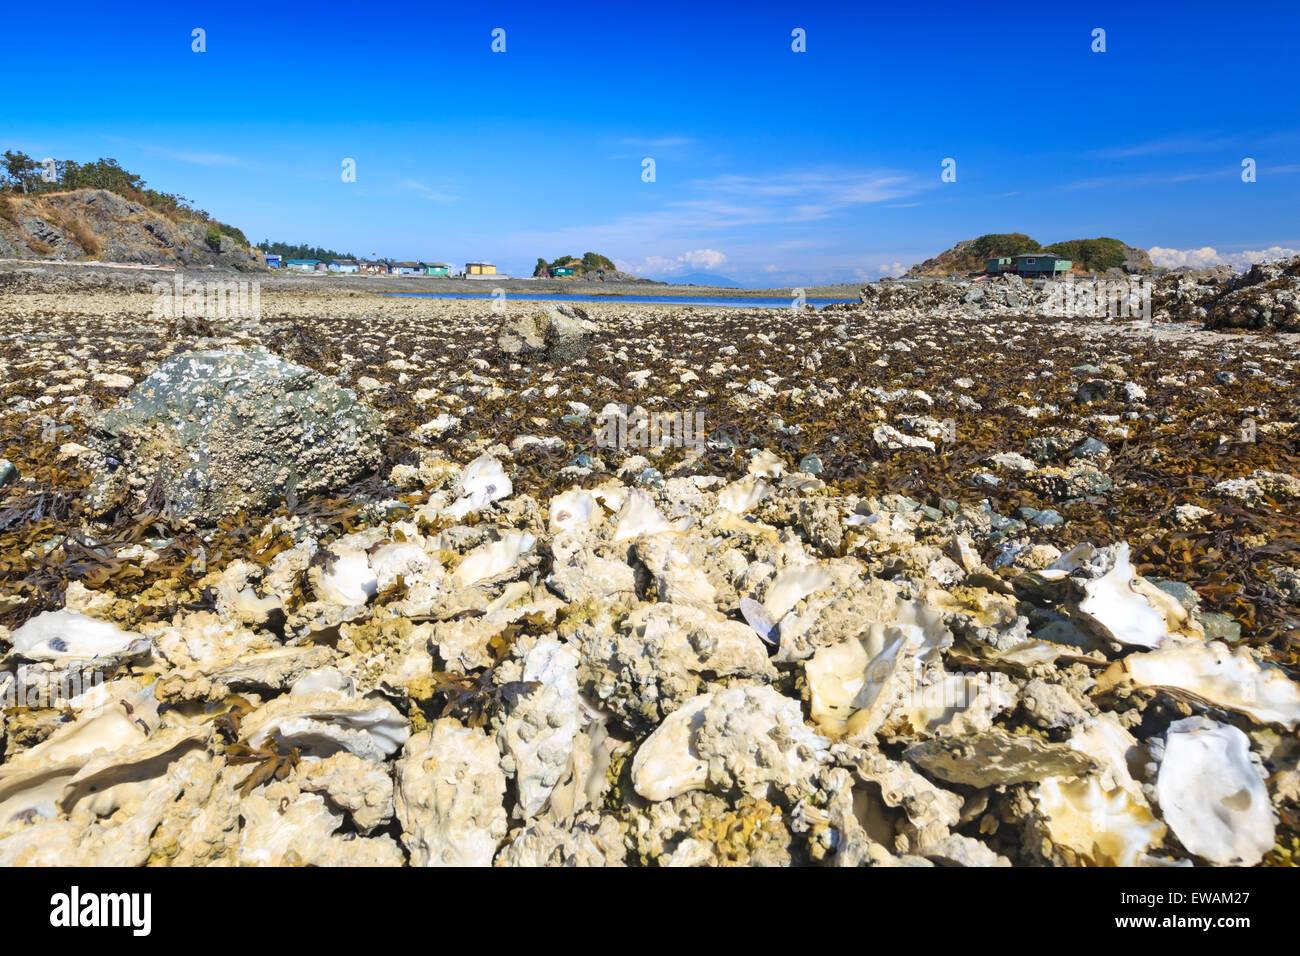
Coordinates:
x,y
559,334
209,433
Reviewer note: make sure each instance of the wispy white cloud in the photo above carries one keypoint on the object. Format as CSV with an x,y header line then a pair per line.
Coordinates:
x,y
208,159
1167,146
1108,182
432,193
813,193
661,142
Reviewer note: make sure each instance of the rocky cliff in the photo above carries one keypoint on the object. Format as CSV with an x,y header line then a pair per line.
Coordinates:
x,y
98,224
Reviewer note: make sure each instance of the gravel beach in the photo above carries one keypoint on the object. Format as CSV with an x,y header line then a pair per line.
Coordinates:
x,y
937,578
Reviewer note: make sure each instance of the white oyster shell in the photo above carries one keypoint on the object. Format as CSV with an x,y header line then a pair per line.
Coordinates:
x,y
1103,818
491,560
1216,674
792,585
348,579
1212,796
321,716
739,496
574,508
638,517
483,482
66,636
1128,608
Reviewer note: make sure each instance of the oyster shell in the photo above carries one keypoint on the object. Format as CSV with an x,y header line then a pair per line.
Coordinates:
x,y
1211,794
1215,674
450,796
483,482
65,636
322,715
1129,609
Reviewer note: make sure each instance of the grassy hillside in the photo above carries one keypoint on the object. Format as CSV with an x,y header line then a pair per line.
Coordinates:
x,y
1088,255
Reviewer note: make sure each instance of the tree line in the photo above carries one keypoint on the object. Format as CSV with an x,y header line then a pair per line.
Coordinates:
x,y
301,251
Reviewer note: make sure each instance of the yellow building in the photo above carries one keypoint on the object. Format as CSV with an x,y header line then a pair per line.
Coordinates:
x,y
480,269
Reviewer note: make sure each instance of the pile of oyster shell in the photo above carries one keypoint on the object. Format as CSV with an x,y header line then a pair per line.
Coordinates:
x,y
668,674
835,636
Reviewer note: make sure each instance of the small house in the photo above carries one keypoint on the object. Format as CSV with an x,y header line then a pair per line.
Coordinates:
x,y
406,269
347,266
272,261
1041,264
302,265
1001,264
373,268
562,272
480,269
437,269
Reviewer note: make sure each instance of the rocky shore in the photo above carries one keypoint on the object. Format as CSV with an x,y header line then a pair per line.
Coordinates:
x,y
936,578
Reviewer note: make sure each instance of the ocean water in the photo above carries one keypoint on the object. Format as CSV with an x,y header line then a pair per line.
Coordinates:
x,y
739,302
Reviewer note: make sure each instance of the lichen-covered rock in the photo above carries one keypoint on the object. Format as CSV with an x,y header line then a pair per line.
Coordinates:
x,y
210,433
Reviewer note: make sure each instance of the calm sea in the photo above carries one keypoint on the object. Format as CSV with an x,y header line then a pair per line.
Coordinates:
x,y
740,302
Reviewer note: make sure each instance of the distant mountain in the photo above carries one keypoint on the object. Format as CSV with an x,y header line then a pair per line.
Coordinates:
x,y
705,278
1088,255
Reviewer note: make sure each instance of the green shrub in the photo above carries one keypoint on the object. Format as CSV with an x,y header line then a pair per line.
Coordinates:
x,y
1091,255
213,237
995,245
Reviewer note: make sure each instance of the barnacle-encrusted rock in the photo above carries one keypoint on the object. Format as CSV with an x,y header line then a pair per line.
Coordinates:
x,y
655,661
996,757
223,430
284,826
560,334
590,839
450,796
701,829
1052,705
361,787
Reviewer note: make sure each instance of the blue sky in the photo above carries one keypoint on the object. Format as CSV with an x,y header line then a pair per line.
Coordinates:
x,y
771,166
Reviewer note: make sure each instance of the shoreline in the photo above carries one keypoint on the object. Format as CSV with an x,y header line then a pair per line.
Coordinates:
x,y
283,280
